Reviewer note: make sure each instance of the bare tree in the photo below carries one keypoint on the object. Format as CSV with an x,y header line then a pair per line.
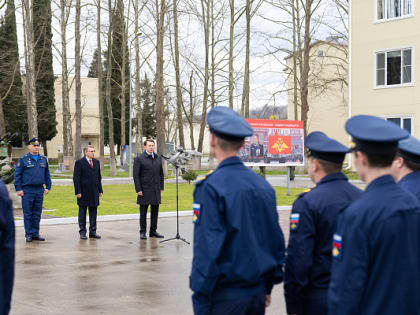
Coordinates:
x,y
160,106
112,161
30,68
139,110
78,99
179,101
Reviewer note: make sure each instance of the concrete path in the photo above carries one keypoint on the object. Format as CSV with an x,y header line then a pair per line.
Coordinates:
x,y
118,274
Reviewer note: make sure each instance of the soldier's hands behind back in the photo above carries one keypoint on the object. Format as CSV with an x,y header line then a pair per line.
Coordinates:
x,y
79,196
20,193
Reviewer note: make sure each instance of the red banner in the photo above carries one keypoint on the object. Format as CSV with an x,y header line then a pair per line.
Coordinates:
x,y
279,144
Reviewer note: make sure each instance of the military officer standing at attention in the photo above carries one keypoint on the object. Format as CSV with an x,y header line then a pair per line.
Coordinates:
x,y
376,248
238,243
406,166
312,225
7,250
32,182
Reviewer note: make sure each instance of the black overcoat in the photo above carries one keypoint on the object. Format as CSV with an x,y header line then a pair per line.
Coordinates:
x,y
88,182
148,178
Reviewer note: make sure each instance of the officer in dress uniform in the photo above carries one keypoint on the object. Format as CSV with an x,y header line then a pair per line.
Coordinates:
x,y
406,166
312,225
238,243
376,248
7,250
32,182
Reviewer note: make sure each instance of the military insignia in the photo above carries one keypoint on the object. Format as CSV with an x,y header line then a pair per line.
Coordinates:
x,y
307,190
294,221
196,212
337,246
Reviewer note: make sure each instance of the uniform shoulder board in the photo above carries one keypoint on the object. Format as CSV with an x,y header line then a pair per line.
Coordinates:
x,y
203,178
305,192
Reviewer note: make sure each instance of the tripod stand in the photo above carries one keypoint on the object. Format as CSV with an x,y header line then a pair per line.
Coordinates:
x,y
177,236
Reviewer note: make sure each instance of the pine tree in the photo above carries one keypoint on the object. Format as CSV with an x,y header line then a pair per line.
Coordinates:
x,y
149,112
14,108
45,99
93,68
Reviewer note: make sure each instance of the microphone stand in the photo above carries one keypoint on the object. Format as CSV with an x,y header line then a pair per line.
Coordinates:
x,y
177,236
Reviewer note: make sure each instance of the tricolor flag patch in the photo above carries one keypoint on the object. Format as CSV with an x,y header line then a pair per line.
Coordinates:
x,y
337,246
196,212
294,221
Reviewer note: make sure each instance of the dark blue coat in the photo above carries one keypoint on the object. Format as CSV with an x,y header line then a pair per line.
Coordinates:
x,y
376,249
7,250
238,243
411,183
313,223
88,182
30,173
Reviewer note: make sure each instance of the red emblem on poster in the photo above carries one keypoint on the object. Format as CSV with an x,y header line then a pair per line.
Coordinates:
x,y
279,144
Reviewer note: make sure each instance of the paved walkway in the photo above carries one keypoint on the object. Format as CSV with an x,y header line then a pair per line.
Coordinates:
x,y
118,274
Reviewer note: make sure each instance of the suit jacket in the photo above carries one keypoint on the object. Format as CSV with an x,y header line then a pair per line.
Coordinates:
x,y
148,178
254,149
88,182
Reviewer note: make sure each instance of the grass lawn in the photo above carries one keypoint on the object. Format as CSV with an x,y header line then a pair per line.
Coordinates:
x,y
121,199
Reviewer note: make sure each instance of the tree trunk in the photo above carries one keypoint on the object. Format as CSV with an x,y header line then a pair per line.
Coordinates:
x,y
100,86
67,122
245,91
45,148
295,68
78,99
112,161
213,59
139,115
30,69
305,73
2,122
160,117
231,37
180,125
206,26
123,74
191,114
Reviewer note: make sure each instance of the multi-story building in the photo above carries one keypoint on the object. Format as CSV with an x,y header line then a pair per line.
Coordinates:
x,y
384,38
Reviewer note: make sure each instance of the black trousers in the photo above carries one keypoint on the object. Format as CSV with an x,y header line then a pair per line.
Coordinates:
x,y
154,210
93,211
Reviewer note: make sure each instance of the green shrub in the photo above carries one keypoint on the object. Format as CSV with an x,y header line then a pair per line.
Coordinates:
x,y
189,176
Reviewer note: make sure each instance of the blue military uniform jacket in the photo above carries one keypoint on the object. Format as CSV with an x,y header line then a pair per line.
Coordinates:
x,y
7,250
312,225
376,253
30,173
238,243
411,183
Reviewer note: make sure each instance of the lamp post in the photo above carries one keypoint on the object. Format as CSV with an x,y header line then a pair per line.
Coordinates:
x,y
130,138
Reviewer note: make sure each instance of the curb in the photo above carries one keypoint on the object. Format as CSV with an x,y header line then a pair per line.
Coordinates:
x,y
122,217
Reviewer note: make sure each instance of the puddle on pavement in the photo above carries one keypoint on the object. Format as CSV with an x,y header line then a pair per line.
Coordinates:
x,y
149,259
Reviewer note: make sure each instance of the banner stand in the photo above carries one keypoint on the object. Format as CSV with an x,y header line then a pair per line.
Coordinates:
x,y
288,180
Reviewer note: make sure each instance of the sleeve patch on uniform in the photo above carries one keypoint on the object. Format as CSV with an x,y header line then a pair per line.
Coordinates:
x,y
294,221
337,246
196,212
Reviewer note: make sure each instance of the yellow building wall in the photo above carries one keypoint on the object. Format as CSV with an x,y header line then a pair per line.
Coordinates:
x,y
368,37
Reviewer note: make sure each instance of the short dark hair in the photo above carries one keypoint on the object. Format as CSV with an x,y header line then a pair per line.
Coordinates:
x,y
414,166
380,160
226,145
330,167
148,140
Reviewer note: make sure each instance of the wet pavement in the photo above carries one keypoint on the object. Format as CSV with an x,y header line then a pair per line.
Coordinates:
x,y
118,274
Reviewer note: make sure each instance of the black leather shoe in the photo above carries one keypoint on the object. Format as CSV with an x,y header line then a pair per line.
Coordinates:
x,y
83,237
94,236
28,239
38,238
143,236
156,234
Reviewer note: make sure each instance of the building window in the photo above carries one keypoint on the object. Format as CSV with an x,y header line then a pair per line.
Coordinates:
x,y
392,9
394,67
320,53
403,122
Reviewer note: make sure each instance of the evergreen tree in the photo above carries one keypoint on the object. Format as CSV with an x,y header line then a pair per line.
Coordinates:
x,y
14,107
44,83
93,68
149,112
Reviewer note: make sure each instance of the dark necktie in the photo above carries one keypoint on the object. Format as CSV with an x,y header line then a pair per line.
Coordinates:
x,y
91,164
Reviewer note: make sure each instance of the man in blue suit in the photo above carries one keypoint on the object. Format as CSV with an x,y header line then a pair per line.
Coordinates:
x,y
7,250
312,226
238,243
376,248
32,182
406,166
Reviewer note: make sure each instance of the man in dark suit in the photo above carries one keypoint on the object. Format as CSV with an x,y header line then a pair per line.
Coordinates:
x,y
7,250
88,188
149,182
257,149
